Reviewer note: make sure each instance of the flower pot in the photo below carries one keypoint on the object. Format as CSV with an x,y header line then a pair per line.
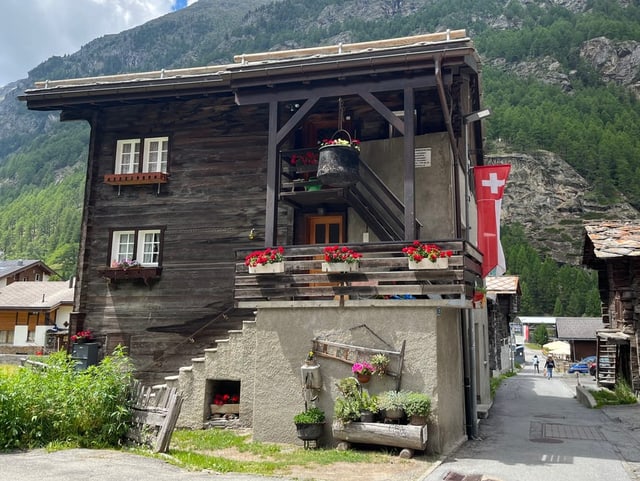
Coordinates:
x,y
367,417
338,165
339,266
394,414
417,420
273,268
440,263
309,432
363,378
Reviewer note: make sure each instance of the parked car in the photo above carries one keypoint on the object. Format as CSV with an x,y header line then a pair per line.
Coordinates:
x,y
587,365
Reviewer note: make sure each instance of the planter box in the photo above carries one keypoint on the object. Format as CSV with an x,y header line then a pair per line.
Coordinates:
x,y
274,268
396,435
339,266
440,263
225,409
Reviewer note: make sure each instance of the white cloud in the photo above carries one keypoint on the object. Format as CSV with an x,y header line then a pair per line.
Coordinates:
x,y
31,31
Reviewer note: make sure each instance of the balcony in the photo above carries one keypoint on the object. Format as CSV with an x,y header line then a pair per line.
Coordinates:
x,y
383,277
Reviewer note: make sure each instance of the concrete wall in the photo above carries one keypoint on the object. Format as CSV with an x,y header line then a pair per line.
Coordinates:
x,y
283,336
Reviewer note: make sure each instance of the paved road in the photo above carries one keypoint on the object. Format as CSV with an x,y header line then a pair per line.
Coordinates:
x,y
536,431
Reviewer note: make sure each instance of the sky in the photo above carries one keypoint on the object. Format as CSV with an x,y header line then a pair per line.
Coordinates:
x,y
31,31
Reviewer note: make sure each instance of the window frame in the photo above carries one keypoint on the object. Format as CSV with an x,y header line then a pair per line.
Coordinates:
x,y
138,244
142,156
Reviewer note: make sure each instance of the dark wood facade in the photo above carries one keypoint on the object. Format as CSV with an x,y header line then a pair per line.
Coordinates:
x,y
225,191
613,250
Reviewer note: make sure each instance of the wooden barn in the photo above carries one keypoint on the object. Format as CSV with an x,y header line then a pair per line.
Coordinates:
x,y
189,170
612,248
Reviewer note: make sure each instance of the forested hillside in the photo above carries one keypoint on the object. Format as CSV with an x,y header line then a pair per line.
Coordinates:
x,y
546,85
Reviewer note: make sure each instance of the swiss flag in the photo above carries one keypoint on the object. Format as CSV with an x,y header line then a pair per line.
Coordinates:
x,y
490,181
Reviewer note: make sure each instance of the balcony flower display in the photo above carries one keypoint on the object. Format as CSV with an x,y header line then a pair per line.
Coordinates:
x,y
339,160
427,256
125,264
269,260
340,259
82,336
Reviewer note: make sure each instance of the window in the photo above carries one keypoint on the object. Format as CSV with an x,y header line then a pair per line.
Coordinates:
x,y
154,153
127,156
139,245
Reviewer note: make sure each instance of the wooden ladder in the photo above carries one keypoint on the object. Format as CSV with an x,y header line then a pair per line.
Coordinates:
x,y
606,369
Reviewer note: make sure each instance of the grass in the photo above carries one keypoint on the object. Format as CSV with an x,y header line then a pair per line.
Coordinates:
x,y
494,382
200,450
621,394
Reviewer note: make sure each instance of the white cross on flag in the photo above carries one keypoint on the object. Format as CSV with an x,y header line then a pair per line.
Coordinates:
x,y
490,181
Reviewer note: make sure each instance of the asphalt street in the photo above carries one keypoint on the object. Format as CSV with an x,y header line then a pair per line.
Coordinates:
x,y
537,430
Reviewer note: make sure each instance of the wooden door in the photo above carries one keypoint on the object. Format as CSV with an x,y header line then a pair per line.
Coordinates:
x,y
325,229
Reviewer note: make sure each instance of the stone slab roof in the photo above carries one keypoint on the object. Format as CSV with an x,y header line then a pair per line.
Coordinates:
x,y
578,328
614,239
36,295
503,285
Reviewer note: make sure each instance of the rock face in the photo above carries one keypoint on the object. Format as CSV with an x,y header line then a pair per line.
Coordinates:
x,y
617,62
552,201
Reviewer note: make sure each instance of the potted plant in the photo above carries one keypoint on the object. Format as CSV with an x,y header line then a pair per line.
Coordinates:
x,y
340,259
362,371
269,260
368,407
380,363
427,256
81,337
310,424
479,297
338,160
348,404
392,403
417,407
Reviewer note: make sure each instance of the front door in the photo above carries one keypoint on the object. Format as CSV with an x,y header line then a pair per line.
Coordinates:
x,y
325,229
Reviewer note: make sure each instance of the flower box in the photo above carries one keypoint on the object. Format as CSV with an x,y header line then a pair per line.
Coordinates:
x,y
137,178
396,435
224,409
273,268
440,263
339,266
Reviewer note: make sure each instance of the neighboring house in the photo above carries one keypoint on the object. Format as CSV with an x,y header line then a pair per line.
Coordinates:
x,y
580,333
189,170
34,316
503,295
613,250
529,324
23,270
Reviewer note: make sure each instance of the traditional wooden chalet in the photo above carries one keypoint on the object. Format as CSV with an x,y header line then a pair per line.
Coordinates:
x,y
580,333
189,170
23,270
34,316
503,295
613,250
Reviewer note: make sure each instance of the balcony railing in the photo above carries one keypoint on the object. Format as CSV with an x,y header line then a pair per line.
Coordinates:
x,y
383,276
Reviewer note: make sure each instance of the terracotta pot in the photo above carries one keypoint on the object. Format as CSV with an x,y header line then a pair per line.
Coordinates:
x,y
363,378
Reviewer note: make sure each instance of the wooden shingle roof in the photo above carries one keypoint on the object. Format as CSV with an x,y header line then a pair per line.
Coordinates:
x,y
578,328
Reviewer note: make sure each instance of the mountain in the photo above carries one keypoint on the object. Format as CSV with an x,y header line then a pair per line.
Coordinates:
x,y
559,75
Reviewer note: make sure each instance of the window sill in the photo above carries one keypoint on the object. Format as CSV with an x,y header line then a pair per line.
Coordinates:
x,y
140,178
146,274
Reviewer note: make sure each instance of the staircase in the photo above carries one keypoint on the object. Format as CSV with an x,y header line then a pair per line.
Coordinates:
x,y
232,359
607,356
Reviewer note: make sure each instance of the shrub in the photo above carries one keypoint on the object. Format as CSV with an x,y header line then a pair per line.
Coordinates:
x,y
59,404
417,404
392,400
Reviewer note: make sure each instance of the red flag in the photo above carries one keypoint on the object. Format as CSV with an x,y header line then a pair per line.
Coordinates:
x,y
490,181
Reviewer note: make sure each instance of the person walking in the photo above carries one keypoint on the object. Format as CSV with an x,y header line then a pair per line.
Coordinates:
x,y
549,366
536,364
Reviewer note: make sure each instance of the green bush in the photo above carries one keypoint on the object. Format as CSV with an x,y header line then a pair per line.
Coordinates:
x,y
417,404
87,408
310,416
